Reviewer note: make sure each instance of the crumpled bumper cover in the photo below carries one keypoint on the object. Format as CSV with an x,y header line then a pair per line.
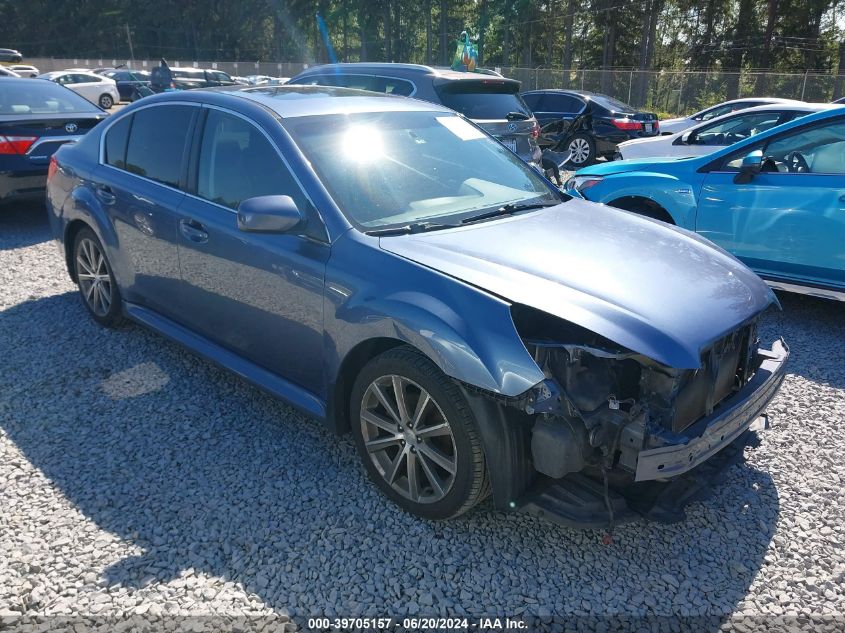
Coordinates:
x,y
732,419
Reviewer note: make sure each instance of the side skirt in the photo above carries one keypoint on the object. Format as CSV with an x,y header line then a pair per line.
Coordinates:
x,y
273,384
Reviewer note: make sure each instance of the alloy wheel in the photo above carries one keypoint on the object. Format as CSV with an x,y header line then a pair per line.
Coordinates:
x,y
408,439
580,149
93,275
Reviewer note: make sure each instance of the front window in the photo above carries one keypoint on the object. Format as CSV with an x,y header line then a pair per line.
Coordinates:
x,y
818,149
390,169
735,129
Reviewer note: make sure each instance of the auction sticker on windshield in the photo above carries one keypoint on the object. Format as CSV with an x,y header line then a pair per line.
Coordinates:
x,y
460,128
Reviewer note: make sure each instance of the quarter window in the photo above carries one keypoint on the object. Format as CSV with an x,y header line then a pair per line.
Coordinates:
x,y
116,138
157,142
237,162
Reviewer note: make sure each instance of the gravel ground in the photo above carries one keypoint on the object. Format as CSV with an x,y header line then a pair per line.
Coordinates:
x,y
135,478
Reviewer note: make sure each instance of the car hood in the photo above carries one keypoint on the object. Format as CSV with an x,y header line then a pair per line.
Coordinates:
x,y
654,289
635,164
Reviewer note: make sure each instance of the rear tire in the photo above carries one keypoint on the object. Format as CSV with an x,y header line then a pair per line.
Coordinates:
x,y
106,102
583,149
97,286
421,449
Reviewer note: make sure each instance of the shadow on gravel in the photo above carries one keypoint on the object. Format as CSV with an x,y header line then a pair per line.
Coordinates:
x,y
815,331
23,225
207,474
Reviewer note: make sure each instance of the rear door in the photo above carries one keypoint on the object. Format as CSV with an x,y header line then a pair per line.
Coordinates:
x,y
141,180
789,222
259,295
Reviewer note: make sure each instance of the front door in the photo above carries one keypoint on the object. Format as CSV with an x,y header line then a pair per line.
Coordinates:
x,y
259,295
789,221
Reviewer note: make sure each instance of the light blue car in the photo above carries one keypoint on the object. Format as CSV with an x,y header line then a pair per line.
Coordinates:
x,y
776,200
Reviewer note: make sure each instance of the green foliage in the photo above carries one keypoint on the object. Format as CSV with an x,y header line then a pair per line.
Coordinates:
x,y
787,35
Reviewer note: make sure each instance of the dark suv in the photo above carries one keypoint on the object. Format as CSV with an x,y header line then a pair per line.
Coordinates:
x,y
488,99
163,78
588,124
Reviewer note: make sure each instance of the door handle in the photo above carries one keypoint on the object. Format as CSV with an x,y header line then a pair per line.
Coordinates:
x,y
193,231
105,193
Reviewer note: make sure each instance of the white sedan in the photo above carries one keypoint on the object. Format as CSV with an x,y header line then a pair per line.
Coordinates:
x,y
96,88
25,71
720,132
670,126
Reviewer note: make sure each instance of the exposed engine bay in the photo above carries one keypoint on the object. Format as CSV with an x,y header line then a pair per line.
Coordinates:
x,y
602,406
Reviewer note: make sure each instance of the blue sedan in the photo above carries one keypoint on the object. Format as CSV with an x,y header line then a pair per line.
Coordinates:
x,y
387,267
776,200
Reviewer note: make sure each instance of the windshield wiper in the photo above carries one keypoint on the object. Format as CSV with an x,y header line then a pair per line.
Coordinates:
x,y
508,209
416,227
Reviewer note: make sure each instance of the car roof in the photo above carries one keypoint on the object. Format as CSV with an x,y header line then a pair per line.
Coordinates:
x,y
399,70
798,106
298,101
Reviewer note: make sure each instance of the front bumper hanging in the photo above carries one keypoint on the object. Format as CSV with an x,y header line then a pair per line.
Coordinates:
x,y
689,471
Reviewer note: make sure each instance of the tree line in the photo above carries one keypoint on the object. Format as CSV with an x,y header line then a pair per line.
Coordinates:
x,y
781,35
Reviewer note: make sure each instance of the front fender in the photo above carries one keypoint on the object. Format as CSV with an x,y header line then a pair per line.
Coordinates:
x,y
678,197
468,333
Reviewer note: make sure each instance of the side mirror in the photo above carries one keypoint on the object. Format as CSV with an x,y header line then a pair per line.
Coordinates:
x,y
268,214
685,137
751,165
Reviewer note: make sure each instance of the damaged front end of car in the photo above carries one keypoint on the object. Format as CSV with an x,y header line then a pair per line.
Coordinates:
x,y
615,434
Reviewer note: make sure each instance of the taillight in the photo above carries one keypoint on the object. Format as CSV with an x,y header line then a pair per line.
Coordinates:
x,y
16,144
51,170
627,124
535,130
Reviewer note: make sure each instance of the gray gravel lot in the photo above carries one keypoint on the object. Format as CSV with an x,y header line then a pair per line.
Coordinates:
x,y
135,478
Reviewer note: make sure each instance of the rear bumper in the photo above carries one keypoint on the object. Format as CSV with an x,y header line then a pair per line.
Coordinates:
x,y
733,418
23,185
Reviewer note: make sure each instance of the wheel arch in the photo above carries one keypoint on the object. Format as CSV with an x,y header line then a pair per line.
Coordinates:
x,y
644,206
71,231
340,392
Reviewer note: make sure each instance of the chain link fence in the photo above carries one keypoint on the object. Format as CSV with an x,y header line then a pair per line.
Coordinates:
x,y
683,92
666,92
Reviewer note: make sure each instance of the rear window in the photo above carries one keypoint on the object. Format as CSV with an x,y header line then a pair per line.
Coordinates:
x,y
481,100
612,104
38,96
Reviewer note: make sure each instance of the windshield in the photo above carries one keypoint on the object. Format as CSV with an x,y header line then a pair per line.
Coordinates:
x,y
481,101
390,169
37,96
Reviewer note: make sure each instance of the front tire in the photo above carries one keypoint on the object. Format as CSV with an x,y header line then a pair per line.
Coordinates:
x,y
417,436
106,102
97,286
